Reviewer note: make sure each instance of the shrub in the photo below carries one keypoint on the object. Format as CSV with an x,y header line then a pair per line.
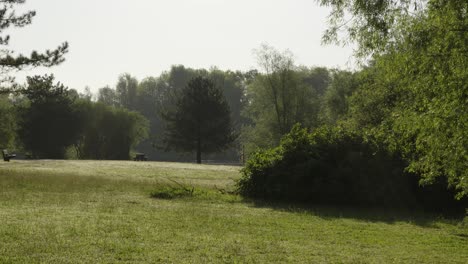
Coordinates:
x,y
333,166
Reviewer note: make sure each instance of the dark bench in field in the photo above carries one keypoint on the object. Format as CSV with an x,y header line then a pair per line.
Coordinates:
x,y
7,156
140,157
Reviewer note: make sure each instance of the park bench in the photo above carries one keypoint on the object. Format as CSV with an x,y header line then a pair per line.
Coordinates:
x,y
140,157
7,156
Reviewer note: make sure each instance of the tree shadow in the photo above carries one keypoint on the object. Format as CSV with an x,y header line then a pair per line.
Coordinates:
x,y
415,216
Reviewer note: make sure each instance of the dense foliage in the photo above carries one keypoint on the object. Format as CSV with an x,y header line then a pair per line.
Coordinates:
x,y
279,96
335,166
414,96
109,133
48,123
7,122
47,120
154,96
397,131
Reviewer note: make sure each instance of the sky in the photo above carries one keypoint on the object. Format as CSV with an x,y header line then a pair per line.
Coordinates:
x,y
145,37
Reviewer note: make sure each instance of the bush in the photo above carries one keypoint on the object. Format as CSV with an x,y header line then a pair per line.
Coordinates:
x,y
333,166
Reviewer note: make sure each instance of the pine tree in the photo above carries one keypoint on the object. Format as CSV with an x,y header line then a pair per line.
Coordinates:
x,y
201,120
11,62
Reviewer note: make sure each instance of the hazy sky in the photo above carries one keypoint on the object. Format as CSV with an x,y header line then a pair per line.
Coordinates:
x,y
146,37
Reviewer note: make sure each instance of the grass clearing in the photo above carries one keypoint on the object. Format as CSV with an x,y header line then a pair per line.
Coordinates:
x,y
106,212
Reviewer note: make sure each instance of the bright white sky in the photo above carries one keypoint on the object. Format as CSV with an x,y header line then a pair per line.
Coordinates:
x,y
146,37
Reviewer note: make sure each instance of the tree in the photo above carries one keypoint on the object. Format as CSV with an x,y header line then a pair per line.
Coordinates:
x,y
279,84
279,96
336,98
109,132
161,94
8,60
8,122
148,95
49,124
126,91
201,120
419,52
107,96
233,87
373,24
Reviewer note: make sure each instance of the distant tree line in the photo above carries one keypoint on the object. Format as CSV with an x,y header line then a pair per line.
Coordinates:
x,y
47,120
157,97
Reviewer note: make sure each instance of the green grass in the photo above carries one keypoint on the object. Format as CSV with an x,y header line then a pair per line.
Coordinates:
x,y
109,211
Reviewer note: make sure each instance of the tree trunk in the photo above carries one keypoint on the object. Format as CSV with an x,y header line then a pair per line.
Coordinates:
x,y
199,151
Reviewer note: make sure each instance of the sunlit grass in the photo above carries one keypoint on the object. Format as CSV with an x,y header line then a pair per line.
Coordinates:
x,y
106,212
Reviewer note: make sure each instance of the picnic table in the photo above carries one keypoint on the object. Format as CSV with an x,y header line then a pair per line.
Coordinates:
x,y
140,157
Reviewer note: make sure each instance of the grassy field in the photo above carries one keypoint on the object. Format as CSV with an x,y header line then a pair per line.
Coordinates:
x,y
118,211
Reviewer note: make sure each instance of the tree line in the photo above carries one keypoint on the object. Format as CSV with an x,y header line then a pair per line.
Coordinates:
x,y
253,99
47,120
392,132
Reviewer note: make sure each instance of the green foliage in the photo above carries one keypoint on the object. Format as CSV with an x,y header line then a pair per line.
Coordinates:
x,y
109,132
201,121
8,122
279,89
336,98
414,95
126,91
155,96
232,85
49,124
373,24
10,62
434,117
280,96
107,96
334,166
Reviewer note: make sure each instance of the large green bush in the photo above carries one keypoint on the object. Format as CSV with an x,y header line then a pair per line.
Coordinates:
x,y
334,166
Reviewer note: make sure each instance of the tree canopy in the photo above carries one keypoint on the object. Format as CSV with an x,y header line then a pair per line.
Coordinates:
x,y
49,123
280,95
109,133
417,81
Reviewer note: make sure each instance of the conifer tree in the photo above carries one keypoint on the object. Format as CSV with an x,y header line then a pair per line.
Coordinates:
x,y
200,121
14,62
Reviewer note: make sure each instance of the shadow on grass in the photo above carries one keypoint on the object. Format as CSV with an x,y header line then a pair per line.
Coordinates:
x,y
171,189
419,217
169,193
416,216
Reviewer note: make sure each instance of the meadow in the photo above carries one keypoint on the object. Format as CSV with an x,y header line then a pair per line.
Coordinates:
x,y
155,212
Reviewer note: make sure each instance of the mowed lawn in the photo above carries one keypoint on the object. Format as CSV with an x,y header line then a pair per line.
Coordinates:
x,y
107,212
